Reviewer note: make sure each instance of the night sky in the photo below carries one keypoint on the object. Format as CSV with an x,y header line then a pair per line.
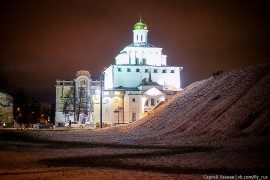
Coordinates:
x,y
45,40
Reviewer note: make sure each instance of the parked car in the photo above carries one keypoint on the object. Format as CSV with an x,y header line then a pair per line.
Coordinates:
x,y
43,126
4,125
75,125
7,125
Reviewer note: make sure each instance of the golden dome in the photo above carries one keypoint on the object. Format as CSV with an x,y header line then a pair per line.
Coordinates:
x,y
140,25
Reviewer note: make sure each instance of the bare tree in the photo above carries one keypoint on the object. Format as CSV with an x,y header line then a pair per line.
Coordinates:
x,y
77,102
6,107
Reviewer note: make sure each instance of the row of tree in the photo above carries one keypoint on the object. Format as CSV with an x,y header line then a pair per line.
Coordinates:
x,y
27,109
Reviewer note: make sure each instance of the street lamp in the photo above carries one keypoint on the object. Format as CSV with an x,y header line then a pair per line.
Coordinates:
x,y
17,114
117,111
74,99
100,101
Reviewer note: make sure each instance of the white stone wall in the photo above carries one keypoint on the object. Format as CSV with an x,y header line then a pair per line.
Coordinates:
x,y
141,55
140,36
132,105
112,101
167,76
108,77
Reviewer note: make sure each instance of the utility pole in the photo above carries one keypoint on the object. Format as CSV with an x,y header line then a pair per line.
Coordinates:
x,y
118,115
74,99
100,101
124,106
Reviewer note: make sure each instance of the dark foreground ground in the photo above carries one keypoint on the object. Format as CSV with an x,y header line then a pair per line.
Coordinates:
x,y
24,156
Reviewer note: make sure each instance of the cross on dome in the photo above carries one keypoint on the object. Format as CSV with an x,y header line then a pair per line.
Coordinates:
x,y
140,25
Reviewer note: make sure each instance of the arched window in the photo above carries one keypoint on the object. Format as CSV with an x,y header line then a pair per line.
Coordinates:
x,y
82,82
150,103
137,61
144,61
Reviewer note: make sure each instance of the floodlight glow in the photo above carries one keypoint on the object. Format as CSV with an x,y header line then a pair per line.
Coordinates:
x,y
160,82
171,87
97,96
116,100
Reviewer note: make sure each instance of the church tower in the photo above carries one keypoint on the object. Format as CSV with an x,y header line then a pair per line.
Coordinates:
x,y
140,32
140,52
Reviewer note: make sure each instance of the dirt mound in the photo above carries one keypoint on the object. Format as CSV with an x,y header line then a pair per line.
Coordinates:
x,y
231,104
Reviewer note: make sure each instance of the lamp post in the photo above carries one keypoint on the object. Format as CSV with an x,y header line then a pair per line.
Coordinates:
x,y
17,114
100,101
74,99
117,111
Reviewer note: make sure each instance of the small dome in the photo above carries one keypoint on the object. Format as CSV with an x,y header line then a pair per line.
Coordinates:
x,y
140,26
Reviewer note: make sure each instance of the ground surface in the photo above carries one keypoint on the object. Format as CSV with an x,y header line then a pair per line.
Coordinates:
x,y
218,126
23,156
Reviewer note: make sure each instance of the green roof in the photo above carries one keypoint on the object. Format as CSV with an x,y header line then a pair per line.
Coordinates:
x,y
140,26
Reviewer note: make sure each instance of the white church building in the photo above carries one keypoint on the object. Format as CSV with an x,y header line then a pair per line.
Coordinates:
x,y
137,82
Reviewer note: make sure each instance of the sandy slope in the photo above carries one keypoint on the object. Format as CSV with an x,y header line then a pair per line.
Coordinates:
x,y
236,103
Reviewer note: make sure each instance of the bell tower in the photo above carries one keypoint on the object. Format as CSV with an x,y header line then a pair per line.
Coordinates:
x,y
140,32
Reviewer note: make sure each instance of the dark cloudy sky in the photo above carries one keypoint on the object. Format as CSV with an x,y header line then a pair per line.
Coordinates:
x,y
45,40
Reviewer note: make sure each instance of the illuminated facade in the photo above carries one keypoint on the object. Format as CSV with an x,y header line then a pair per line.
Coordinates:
x,y
74,99
138,81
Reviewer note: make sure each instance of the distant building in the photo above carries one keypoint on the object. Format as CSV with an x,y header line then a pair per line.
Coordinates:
x,y
76,94
44,112
137,82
